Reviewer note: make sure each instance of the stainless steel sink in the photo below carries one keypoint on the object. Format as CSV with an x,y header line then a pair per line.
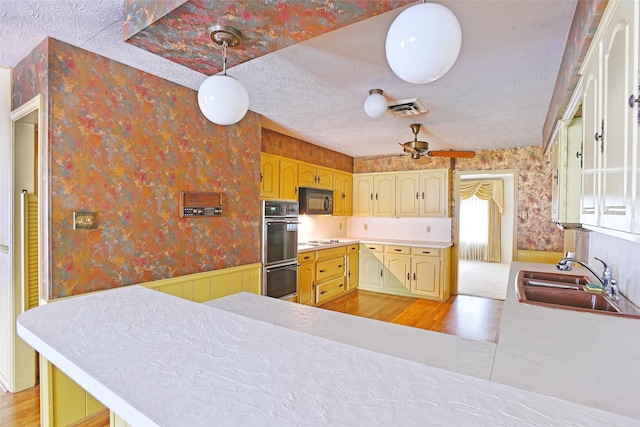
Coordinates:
x,y
569,292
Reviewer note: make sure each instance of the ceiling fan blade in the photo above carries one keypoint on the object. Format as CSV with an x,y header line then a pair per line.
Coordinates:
x,y
458,154
407,148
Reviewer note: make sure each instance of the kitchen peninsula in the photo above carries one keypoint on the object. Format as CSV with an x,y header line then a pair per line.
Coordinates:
x,y
155,359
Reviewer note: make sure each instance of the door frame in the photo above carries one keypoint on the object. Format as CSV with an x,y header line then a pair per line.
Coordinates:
x,y
22,356
481,174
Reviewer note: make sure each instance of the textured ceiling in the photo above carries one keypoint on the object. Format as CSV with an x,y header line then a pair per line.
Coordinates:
x,y
495,96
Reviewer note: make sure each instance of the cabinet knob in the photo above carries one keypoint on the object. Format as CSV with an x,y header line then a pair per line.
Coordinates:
x,y
423,195
341,285
417,196
371,196
376,196
321,271
408,276
340,266
398,250
260,176
414,276
380,273
426,252
323,292
633,101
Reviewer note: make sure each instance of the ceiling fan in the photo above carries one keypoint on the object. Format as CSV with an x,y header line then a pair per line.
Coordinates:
x,y
421,148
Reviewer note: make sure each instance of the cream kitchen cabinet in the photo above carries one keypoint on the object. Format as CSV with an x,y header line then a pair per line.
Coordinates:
x,y
269,176
610,116
315,177
566,162
404,270
371,267
430,272
342,193
424,193
363,195
402,194
374,194
397,272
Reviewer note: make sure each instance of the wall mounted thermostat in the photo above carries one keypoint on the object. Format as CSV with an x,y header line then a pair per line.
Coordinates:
x,y
200,205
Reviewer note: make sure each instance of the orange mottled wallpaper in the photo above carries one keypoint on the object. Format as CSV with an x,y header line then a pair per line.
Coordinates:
x,y
287,146
124,144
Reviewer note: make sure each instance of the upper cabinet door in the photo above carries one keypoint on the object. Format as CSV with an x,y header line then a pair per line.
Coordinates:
x,y
307,176
620,79
363,195
269,176
434,193
384,203
289,179
591,125
408,194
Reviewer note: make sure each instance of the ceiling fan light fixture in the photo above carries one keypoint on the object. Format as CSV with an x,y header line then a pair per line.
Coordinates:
x,y
423,43
223,99
376,104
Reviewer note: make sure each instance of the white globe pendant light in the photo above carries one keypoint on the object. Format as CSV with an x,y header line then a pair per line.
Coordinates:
x,y
423,43
376,104
221,98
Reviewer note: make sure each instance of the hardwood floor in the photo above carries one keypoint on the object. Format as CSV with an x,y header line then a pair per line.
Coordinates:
x,y
463,315
23,410
470,317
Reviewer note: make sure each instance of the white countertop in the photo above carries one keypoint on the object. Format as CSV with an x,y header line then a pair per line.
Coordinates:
x,y
593,359
155,359
306,247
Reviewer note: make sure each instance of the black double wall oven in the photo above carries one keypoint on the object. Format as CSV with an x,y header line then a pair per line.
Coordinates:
x,y
279,248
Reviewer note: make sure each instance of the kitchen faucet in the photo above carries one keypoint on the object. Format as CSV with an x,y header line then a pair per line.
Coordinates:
x,y
608,282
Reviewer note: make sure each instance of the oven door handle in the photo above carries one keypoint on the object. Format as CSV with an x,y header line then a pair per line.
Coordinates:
x,y
275,221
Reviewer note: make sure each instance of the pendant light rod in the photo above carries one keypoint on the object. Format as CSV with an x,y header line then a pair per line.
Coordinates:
x,y
226,37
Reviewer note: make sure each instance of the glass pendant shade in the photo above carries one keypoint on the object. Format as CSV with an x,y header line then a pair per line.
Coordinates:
x,y
423,43
223,99
376,104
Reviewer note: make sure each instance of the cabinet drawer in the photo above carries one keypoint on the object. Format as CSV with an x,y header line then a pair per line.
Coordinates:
x,y
391,249
330,289
332,252
353,249
373,247
415,251
329,268
306,257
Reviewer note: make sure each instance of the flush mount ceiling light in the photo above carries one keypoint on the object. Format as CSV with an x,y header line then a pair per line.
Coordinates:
x,y
376,104
423,43
223,99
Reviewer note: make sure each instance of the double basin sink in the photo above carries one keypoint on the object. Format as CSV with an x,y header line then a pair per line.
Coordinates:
x,y
569,292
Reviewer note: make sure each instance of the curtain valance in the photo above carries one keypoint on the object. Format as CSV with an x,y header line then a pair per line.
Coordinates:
x,y
486,190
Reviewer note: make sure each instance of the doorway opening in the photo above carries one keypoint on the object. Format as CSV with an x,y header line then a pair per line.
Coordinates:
x,y
485,238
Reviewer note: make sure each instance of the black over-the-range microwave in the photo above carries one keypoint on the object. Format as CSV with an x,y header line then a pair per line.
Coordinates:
x,y
314,201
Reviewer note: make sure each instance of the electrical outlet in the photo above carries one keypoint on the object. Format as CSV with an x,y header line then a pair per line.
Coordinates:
x,y
428,229
366,226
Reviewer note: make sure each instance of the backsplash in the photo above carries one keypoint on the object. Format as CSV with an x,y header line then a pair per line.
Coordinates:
x,y
622,257
415,229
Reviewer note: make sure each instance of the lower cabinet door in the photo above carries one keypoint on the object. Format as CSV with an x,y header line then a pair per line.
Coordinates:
x,y
425,279
306,284
397,273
